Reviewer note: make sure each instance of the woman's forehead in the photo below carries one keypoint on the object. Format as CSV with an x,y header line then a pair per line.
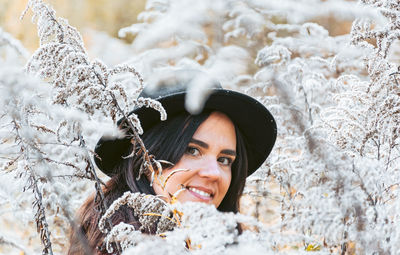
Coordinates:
x,y
217,129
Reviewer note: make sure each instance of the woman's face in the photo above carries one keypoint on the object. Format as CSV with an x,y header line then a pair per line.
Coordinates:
x,y
208,157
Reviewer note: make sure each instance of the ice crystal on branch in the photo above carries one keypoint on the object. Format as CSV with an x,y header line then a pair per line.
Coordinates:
x,y
126,235
385,36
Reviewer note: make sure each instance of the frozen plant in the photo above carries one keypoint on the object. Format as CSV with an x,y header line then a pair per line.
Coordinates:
x,y
275,51
197,228
365,124
51,123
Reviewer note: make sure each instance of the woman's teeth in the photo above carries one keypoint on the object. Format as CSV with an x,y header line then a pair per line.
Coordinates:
x,y
202,193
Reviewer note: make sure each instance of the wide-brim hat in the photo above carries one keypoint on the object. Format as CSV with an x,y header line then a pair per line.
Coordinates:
x,y
252,118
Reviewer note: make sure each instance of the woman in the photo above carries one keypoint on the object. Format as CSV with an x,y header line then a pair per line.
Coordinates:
x,y
213,152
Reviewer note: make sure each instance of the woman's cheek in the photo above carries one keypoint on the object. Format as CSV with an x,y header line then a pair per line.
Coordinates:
x,y
227,180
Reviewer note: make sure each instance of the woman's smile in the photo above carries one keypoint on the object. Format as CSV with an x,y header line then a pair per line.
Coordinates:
x,y
208,157
201,193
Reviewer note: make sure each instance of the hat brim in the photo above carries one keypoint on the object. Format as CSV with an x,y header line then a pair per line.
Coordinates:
x,y
254,121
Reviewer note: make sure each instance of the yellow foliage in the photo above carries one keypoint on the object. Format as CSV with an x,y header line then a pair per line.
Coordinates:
x,y
157,214
312,247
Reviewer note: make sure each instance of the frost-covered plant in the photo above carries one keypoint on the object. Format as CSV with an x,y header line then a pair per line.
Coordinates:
x,y
197,228
148,209
342,191
50,130
365,124
25,125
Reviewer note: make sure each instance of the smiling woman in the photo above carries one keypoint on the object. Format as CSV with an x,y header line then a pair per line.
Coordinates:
x,y
208,159
206,156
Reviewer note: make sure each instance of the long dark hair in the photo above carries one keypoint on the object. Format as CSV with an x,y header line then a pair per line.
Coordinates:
x,y
168,141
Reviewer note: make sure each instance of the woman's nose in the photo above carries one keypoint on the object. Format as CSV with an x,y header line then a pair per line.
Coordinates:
x,y
210,168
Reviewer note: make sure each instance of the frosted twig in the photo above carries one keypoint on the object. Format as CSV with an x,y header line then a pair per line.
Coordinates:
x,y
99,190
141,204
65,208
121,234
40,215
148,102
81,75
163,183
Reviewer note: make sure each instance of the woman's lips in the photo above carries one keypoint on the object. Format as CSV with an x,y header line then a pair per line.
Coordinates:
x,y
201,193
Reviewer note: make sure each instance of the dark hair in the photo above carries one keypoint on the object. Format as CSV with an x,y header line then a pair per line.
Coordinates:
x,y
168,140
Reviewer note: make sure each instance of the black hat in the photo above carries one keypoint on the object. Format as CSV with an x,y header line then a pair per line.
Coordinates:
x,y
255,122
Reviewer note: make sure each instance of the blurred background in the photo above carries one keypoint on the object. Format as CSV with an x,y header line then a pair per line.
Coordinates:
x,y
104,16
86,15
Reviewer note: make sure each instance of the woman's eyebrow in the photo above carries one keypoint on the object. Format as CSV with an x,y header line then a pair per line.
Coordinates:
x,y
199,143
204,145
229,152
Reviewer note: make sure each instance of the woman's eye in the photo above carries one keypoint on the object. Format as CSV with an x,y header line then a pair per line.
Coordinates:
x,y
225,161
193,151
